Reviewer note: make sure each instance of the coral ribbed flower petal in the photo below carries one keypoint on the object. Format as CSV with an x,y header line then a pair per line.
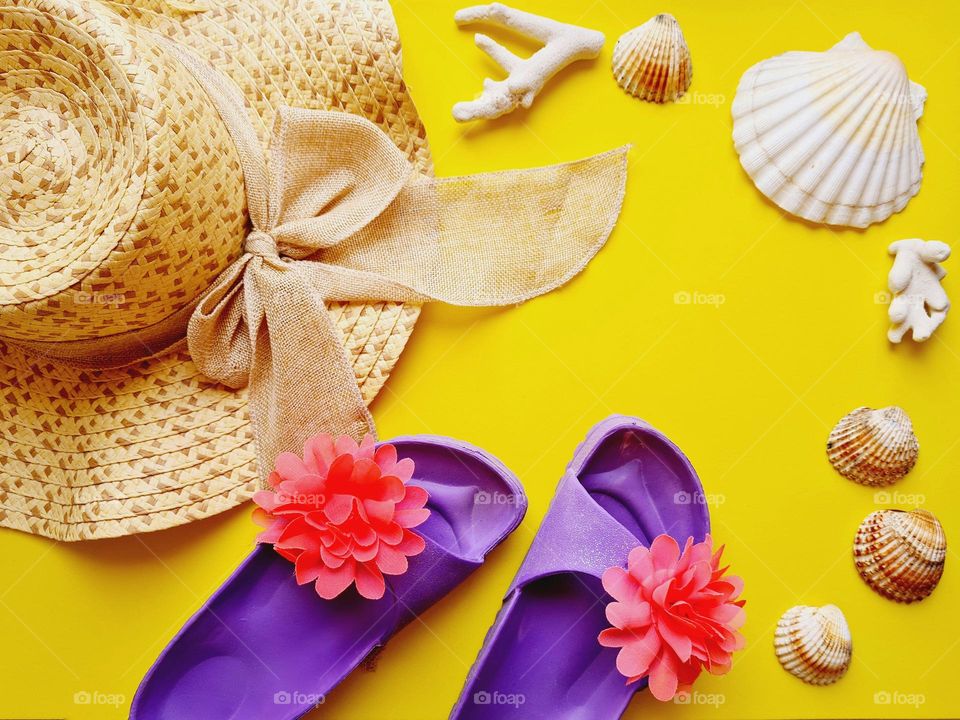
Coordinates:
x,y
635,658
318,453
367,448
379,511
673,635
415,499
674,614
391,561
366,474
338,508
639,562
391,533
665,552
288,465
331,582
411,518
339,473
366,553
386,457
369,581
629,614
308,566
663,677
346,445
411,544
343,514
619,583
266,500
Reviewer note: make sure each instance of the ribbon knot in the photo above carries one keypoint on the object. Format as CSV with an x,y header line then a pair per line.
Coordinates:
x,y
262,244
337,194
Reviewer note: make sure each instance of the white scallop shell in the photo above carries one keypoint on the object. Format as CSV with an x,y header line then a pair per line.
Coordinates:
x,y
873,447
652,61
832,136
901,554
814,644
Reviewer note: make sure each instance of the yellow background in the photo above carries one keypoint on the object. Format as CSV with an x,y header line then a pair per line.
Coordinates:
x,y
749,388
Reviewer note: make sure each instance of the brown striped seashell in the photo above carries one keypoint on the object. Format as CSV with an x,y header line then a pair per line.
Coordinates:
x,y
814,644
652,61
873,447
901,554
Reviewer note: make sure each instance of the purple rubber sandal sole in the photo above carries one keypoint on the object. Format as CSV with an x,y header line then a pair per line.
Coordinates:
x,y
264,648
627,483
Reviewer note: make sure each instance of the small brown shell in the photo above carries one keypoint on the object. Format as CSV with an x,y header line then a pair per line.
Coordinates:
x,y
814,644
901,554
873,447
652,61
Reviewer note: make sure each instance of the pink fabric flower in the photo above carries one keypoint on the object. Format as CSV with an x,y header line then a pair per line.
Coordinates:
x,y
674,614
343,514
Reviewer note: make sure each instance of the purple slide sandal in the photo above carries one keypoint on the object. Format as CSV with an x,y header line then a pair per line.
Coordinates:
x,y
627,483
265,648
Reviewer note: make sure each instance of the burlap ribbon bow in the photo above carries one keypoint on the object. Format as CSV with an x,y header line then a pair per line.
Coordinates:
x,y
339,214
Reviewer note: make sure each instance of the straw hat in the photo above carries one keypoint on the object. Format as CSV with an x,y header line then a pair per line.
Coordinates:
x,y
120,207
168,266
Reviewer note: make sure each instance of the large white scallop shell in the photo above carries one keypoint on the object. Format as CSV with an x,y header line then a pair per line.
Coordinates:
x,y
814,644
873,447
901,554
832,136
652,61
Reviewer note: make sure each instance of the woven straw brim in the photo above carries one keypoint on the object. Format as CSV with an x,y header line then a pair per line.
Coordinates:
x,y
102,453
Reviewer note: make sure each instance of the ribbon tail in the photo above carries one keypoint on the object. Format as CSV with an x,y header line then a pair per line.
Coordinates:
x,y
301,381
541,227
495,238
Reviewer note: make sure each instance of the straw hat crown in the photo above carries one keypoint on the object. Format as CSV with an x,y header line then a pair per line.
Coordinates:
x,y
123,202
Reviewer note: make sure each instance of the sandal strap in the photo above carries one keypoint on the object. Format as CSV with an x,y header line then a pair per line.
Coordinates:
x,y
576,536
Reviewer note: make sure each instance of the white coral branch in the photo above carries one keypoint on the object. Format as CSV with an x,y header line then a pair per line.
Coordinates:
x,y
562,45
920,303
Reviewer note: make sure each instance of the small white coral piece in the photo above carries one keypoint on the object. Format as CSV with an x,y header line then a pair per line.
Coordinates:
x,y
919,302
562,45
